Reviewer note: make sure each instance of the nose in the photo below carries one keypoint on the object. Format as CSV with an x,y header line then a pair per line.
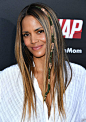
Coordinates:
x,y
34,38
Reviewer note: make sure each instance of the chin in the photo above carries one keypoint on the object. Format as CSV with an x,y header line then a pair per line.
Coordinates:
x,y
39,56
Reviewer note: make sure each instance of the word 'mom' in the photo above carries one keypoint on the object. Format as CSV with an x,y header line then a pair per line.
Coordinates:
x,y
71,50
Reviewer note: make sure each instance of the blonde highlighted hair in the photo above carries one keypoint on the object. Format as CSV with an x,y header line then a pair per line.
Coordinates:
x,y
25,59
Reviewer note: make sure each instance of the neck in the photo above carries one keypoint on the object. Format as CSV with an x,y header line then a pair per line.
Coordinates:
x,y
39,63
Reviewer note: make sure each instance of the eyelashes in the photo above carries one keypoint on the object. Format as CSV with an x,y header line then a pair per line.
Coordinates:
x,y
38,32
41,31
25,35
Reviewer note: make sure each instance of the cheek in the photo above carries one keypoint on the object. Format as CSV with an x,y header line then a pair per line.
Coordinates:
x,y
43,38
27,42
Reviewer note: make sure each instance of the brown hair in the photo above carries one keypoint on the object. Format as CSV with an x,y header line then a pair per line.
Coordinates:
x,y
25,59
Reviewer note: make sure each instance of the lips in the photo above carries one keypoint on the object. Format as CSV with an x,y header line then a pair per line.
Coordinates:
x,y
37,47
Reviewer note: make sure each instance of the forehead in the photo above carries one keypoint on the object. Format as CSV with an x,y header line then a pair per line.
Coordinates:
x,y
30,21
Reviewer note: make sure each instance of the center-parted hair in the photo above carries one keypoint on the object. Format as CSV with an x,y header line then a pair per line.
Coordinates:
x,y
59,58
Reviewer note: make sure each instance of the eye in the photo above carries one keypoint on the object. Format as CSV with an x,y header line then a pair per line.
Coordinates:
x,y
26,34
40,31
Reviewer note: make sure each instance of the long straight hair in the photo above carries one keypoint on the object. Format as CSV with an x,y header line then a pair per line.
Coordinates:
x,y
25,58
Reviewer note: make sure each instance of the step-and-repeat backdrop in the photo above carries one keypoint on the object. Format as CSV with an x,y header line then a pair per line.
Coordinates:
x,y
72,19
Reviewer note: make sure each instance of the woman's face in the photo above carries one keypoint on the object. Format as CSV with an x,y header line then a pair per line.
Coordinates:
x,y
34,36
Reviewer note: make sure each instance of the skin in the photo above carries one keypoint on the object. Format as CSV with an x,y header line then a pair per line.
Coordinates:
x,y
34,36
35,40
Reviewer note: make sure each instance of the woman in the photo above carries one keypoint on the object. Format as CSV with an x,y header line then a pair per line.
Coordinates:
x,y
43,86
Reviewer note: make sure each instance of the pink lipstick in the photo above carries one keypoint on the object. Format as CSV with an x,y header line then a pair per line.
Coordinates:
x,y
37,47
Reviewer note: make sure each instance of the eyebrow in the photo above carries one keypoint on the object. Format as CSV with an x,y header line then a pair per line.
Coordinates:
x,y
34,30
38,28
